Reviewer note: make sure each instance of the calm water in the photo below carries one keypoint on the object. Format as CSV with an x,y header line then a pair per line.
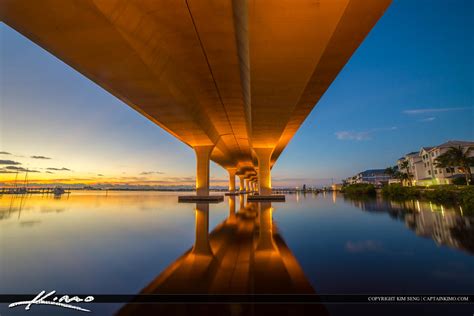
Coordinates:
x,y
117,243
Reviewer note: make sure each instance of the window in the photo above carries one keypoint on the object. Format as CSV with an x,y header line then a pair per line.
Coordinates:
x,y
448,170
429,172
432,154
436,171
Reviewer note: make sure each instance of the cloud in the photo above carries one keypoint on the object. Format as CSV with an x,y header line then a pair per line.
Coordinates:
x,y
428,119
39,157
50,172
9,162
363,246
4,153
6,171
20,169
146,173
349,135
59,169
361,135
166,180
434,110
100,175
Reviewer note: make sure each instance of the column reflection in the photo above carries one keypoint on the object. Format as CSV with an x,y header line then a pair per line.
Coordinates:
x,y
245,254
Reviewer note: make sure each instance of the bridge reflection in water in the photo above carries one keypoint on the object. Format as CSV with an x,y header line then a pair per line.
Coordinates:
x,y
245,254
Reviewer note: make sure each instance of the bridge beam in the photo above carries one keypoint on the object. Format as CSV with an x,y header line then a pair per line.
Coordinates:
x,y
203,154
264,174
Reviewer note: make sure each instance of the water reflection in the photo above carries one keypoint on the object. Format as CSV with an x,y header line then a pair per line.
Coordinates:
x,y
128,242
245,254
447,226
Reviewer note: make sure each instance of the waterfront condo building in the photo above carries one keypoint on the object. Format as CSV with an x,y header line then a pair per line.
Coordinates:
x,y
422,164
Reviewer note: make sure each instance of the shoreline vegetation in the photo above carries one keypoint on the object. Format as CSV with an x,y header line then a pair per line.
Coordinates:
x,y
459,195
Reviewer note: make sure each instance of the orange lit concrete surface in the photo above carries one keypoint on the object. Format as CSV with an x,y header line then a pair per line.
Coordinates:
x,y
245,254
234,80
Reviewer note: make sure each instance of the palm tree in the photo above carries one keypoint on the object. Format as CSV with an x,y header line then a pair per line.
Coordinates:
x,y
391,171
457,157
405,176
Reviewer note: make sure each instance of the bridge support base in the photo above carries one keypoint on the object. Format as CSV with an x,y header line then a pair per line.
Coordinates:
x,y
266,198
200,198
232,193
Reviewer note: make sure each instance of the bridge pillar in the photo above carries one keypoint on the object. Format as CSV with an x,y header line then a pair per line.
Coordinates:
x,y
247,187
241,183
264,175
203,154
232,172
201,242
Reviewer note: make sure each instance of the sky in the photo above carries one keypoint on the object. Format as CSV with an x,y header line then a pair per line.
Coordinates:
x,y
409,84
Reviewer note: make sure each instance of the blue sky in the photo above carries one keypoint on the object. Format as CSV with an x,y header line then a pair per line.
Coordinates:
x,y
410,84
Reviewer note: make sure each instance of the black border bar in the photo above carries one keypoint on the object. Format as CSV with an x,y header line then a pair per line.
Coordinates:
x,y
259,298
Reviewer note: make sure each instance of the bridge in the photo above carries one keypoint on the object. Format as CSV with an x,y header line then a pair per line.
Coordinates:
x,y
232,79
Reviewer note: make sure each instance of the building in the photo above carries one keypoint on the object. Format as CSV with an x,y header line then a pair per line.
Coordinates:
x,y
422,164
415,165
373,176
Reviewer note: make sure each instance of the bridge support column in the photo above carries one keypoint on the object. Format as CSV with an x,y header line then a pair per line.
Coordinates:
x,y
247,187
241,183
201,243
264,175
232,172
203,154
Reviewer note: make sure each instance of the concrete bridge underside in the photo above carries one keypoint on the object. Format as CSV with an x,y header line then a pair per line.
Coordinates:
x,y
233,79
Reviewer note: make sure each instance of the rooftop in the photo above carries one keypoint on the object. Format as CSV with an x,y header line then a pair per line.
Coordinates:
x,y
454,143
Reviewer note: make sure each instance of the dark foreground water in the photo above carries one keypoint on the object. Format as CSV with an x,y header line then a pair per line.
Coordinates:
x,y
117,243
